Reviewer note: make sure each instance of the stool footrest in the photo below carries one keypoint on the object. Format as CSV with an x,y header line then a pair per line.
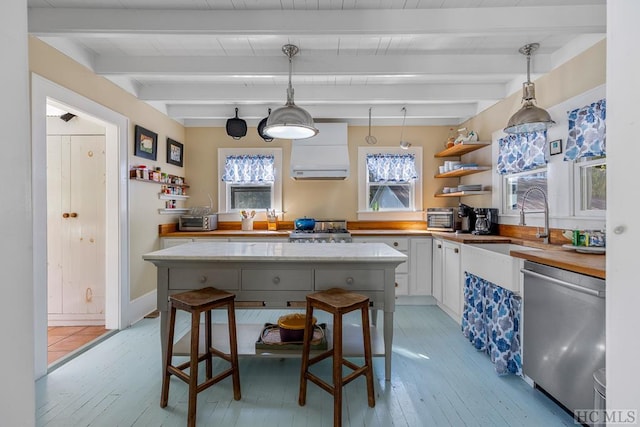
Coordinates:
x,y
320,357
211,381
320,382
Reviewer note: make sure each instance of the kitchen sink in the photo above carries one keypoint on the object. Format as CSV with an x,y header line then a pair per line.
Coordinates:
x,y
492,262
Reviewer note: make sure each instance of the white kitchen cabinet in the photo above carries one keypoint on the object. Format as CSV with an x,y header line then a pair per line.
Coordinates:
x,y
451,280
400,244
436,269
420,281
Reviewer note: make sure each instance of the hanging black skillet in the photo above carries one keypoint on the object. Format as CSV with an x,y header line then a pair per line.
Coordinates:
x,y
236,127
261,126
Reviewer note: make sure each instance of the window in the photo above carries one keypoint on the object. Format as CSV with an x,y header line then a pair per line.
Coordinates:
x,y
591,187
249,179
515,185
390,182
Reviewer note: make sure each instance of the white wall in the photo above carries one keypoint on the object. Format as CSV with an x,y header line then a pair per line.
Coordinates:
x,y
623,153
17,394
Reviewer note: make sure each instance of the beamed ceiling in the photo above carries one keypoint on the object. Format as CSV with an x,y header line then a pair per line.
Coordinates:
x,y
196,60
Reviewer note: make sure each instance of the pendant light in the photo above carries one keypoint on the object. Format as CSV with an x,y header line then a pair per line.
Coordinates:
x,y
529,118
404,144
290,121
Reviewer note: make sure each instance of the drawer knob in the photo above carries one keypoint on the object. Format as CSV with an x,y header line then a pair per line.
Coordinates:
x,y
276,280
203,279
349,280
456,250
395,244
439,246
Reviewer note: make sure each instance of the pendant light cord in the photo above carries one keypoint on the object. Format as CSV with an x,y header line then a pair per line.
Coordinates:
x,y
403,119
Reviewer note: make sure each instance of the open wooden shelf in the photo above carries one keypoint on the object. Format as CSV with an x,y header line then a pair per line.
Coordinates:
x,y
165,196
462,193
173,211
460,149
462,172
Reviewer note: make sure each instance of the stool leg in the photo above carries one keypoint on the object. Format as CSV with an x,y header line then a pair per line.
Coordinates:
x,y
193,369
306,349
337,369
166,376
366,337
208,344
233,349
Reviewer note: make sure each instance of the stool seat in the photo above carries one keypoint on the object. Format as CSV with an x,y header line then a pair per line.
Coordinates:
x,y
197,302
337,302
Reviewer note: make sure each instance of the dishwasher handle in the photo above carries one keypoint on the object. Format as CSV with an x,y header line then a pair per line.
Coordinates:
x,y
578,288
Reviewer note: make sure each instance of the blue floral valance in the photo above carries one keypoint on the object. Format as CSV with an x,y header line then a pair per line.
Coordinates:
x,y
249,169
491,322
521,152
391,167
587,131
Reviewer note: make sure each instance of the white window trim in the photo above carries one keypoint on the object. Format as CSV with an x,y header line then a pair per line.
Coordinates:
x,y
577,189
226,214
364,213
503,190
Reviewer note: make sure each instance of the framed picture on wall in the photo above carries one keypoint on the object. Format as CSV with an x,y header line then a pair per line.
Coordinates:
x,y
555,147
175,152
146,143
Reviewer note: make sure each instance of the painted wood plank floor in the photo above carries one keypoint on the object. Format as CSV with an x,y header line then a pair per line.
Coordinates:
x,y
438,379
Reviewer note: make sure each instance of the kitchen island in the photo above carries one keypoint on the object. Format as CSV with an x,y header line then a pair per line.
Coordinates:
x,y
280,275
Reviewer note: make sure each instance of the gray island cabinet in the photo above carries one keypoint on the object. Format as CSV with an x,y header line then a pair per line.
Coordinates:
x,y
280,275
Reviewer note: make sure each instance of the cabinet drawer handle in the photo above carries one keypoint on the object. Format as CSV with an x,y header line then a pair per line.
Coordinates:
x,y
73,215
349,280
439,246
395,244
456,250
396,284
203,279
276,280
65,215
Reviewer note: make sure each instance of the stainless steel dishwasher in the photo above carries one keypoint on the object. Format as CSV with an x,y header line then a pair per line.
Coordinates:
x,y
563,332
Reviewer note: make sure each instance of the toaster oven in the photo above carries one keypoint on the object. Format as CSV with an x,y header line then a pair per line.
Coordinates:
x,y
441,219
198,222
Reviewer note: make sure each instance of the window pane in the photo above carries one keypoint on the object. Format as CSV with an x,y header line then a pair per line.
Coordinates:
x,y
390,196
250,197
517,185
594,187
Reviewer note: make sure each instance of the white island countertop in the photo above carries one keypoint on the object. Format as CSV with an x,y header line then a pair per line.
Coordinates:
x,y
278,251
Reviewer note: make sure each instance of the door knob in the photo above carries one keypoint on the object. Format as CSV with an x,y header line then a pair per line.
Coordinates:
x,y
73,215
65,215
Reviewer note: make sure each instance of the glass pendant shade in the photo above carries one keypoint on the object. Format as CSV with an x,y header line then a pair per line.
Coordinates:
x,y
290,121
529,118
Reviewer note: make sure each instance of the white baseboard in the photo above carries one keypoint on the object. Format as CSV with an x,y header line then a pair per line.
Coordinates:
x,y
140,307
84,319
415,300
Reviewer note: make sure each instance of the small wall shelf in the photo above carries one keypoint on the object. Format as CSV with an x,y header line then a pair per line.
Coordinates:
x,y
133,175
462,193
462,172
165,196
173,211
460,149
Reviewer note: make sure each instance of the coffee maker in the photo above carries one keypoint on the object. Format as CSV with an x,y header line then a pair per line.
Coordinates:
x,y
467,218
486,221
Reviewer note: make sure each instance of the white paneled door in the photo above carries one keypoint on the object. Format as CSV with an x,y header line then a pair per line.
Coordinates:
x,y
76,228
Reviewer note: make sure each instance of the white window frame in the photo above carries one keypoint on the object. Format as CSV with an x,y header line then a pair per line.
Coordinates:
x,y
578,185
224,194
503,189
364,210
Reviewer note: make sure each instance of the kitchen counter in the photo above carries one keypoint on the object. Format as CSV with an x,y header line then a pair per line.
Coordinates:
x,y
589,264
228,233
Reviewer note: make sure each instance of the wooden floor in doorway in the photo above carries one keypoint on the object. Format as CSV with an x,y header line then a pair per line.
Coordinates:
x,y
64,340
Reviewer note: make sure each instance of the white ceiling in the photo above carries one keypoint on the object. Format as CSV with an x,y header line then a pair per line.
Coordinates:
x,y
196,60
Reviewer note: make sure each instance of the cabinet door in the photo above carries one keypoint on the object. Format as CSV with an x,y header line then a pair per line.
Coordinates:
x,y
420,277
452,284
436,269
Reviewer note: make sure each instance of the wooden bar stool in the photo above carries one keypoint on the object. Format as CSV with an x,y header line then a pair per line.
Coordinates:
x,y
337,302
196,302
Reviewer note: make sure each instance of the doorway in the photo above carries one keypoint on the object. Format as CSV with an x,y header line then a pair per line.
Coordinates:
x,y
116,271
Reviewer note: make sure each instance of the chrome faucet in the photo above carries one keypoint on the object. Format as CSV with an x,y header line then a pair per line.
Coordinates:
x,y
545,233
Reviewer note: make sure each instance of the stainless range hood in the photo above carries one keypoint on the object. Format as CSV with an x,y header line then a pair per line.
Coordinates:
x,y
322,157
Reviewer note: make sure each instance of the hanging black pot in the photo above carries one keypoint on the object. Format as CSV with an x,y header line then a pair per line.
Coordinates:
x,y
261,126
236,127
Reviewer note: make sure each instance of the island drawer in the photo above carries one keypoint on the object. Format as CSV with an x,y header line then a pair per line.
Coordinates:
x,y
196,278
276,279
355,280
